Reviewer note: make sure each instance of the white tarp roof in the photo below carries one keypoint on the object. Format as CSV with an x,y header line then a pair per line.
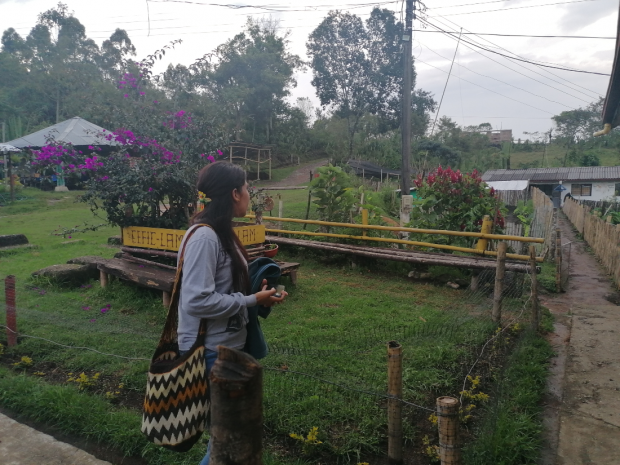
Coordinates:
x,y
76,131
8,148
518,185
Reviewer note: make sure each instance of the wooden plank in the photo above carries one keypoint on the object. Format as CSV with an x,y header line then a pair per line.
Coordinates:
x,y
141,275
402,255
170,239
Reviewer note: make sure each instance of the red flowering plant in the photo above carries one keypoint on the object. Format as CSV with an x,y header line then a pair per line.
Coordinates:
x,y
451,200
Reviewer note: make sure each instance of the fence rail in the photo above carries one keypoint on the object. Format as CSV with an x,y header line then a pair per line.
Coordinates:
x,y
481,248
603,237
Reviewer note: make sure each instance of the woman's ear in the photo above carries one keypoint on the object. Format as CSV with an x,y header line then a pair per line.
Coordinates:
x,y
236,195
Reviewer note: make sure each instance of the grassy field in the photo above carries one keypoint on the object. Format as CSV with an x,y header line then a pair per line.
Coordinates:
x,y
326,369
555,157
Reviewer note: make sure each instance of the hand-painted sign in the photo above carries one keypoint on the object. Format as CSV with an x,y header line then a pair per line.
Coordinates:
x,y
170,239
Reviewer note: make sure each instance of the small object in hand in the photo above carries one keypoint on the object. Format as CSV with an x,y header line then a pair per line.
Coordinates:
x,y
279,290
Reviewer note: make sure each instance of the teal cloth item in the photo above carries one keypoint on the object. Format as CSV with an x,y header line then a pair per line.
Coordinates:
x,y
259,269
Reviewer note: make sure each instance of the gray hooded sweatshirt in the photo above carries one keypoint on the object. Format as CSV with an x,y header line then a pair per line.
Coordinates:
x,y
206,292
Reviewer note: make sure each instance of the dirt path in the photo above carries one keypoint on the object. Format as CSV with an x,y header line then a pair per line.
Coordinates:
x,y
582,414
297,177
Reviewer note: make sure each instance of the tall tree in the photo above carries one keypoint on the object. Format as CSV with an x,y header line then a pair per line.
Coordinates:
x,y
358,68
250,76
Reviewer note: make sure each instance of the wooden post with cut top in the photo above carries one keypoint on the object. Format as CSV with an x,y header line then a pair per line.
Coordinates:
x,y
236,384
395,391
500,273
448,424
11,317
535,317
558,260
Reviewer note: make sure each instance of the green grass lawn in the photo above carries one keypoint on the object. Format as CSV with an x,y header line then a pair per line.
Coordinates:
x,y
327,367
555,157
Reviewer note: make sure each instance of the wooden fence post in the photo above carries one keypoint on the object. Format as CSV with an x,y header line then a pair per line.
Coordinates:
x,y
475,280
448,424
236,384
500,272
309,199
364,221
11,318
280,210
487,224
558,260
395,391
535,318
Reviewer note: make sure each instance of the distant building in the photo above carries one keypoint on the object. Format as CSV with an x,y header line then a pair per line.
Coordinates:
x,y
582,183
499,135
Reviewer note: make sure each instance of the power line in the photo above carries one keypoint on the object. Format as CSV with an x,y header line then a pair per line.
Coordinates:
x,y
499,80
488,90
519,7
519,59
596,95
278,8
529,77
527,35
498,117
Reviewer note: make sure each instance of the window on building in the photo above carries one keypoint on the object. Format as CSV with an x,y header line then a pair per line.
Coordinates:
x,y
617,190
584,190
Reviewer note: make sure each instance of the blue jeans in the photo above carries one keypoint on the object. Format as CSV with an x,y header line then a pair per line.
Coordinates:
x,y
210,357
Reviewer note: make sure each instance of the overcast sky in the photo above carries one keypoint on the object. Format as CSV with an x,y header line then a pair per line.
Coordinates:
x,y
483,87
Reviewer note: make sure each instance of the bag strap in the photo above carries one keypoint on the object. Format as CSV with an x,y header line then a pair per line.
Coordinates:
x,y
172,319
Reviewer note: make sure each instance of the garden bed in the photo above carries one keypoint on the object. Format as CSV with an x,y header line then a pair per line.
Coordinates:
x,y
327,367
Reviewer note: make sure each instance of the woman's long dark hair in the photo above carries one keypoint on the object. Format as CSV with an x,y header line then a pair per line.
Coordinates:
x,y
217,181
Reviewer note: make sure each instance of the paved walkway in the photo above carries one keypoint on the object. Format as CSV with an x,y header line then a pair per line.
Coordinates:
x,y
583,409
22,445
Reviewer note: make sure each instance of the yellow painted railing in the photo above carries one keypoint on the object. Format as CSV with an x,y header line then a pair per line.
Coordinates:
x,y
481,246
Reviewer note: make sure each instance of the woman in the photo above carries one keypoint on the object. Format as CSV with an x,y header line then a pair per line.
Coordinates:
x,y
215,270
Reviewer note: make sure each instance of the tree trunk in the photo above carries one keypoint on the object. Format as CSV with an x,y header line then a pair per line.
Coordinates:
x,y
57,105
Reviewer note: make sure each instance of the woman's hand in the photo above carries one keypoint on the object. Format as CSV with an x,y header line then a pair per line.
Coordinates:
x,y
266,296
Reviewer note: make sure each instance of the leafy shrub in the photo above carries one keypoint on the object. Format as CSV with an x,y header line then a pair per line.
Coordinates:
x,y
333,194
451,200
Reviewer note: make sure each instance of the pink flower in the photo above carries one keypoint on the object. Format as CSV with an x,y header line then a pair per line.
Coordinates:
x,y
142,93
211,158
155,101
150,189
126,95
219,152
93,320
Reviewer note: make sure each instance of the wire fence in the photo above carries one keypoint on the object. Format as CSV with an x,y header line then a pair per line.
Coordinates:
x,y
336,380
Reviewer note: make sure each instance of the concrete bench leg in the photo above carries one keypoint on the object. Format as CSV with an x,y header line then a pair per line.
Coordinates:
x,y
166,299
103,278
293,275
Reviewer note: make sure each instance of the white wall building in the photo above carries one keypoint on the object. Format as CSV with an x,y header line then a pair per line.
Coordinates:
x,y
582,183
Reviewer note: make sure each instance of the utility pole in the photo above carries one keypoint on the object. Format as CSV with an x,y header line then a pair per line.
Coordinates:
x,y
405,125
406,100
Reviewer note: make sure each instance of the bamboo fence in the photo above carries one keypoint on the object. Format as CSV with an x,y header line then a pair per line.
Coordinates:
x,y
543,224
602,237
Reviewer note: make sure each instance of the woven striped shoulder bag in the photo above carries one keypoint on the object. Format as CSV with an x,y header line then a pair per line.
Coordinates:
x,y
177,401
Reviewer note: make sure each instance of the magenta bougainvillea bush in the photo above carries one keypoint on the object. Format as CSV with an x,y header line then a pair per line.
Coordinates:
x,y
451,200
149,177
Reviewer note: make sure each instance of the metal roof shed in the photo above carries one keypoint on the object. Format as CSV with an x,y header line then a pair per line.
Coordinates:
x,y
76,131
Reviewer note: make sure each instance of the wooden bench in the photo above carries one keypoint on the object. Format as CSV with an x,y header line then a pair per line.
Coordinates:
x,y
163,243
